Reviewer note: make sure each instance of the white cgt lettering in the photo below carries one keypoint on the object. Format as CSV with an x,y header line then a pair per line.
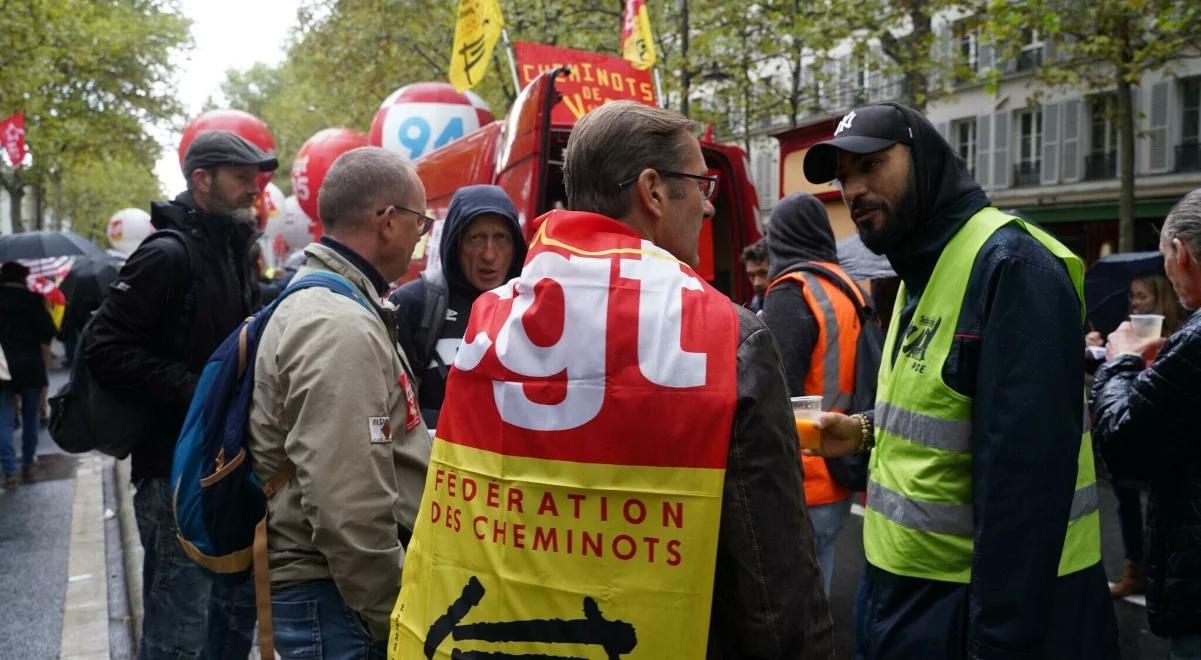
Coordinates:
x,y
661,355
580,350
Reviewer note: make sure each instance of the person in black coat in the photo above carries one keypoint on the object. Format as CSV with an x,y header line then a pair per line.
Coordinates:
x,y
180,294
25,333
1145,422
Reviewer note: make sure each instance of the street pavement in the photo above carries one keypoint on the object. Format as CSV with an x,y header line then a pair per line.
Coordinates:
x,y
37,544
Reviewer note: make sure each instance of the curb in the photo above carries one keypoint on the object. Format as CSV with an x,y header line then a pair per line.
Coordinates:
x,y
85,612
132,546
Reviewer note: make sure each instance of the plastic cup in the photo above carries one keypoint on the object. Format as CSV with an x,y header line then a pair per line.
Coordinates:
x,y
1147,326
805,410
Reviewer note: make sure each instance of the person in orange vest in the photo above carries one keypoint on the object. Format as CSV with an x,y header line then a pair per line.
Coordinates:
x,y
816,326
615,465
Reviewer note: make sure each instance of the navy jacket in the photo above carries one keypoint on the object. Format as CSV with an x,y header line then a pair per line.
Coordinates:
x,y
1146,427
1017,353
411,299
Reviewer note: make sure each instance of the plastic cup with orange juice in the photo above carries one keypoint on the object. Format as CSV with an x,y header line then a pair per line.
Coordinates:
x,y
805,410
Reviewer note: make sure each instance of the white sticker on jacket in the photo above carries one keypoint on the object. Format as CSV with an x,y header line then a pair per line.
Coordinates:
x,y
381,430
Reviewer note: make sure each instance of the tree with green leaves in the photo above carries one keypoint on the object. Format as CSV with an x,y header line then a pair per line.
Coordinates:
x,y
1103,46
91,78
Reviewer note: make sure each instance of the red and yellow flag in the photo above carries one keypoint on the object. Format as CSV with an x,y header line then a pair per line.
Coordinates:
x,y
637,40
573,498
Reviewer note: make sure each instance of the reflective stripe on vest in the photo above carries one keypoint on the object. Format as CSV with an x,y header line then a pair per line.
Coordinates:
x,y
919,519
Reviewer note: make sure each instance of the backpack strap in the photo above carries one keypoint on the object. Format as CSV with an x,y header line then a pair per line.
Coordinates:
x,y
181,328
433,317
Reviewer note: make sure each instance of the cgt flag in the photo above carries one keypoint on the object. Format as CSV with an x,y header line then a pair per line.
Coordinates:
x,y
476,33
12,136
637,42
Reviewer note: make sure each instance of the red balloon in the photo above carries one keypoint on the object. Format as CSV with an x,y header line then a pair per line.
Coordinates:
x,y
244,124
313,161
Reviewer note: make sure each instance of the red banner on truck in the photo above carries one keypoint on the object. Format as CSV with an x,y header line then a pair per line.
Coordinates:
x,y
595,78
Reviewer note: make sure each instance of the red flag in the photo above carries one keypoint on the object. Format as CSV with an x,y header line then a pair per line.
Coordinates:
x,y
12,136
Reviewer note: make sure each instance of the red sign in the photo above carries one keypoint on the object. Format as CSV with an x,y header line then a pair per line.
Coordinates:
x,y
595,78
12,136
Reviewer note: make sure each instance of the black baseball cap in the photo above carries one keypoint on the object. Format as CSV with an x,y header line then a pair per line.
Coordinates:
x,y
213,148
860,131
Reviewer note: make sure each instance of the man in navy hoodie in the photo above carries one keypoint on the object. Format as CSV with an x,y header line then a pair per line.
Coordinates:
x,y
481,248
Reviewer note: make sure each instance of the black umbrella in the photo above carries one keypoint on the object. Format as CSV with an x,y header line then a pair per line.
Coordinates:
x,y
90,278
43,244
1107,286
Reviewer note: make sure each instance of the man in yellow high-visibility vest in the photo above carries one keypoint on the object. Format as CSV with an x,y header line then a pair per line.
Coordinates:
x,y
981,529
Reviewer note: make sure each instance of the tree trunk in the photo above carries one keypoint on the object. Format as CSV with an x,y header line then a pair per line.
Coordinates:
x,y
920,49
39,207
685,72
1125,166
15,195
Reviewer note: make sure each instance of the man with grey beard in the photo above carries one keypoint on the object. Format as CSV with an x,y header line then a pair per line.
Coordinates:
x,y
185,288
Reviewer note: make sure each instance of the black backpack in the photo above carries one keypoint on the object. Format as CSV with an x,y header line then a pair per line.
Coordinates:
x,y
851,471
85,415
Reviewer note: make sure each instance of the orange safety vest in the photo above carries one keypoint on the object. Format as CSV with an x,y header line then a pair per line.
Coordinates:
x,y
573,499
831,365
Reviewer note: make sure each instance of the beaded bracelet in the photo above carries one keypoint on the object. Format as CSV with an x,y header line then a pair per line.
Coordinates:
x,y
867,438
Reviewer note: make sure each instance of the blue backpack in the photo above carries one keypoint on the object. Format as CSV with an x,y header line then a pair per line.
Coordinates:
x,y
218,500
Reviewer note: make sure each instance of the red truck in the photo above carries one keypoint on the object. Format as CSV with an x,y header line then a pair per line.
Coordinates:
x,y
523,154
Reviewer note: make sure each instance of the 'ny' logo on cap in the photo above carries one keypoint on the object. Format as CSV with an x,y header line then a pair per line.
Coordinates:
x,y
845,123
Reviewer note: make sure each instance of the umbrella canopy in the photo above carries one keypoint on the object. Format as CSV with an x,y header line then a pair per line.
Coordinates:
x,y
89,279
1107,286
45,244
861,263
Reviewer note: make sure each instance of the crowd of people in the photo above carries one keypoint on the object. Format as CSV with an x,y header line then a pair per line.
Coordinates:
x,y
497,436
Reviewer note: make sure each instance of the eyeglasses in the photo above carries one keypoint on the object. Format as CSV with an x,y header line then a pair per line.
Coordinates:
x,y
424,222
707,184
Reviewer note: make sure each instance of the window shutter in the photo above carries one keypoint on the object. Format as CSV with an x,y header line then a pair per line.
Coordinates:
x,y
1000,150
1161,159
986,56
1050,155
1069,140
943,129
984,150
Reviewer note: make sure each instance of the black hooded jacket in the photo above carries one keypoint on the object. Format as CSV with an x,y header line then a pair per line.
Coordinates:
x,y
1016,353
799,232
139,341
1146,427
416,300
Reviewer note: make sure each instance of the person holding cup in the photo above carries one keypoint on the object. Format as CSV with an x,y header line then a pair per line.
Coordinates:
x,y
1145,419
1154,312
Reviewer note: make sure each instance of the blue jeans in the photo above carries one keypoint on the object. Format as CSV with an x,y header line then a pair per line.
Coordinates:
x,y
1185,647
175,591
828,520
310,620
31,415
231,619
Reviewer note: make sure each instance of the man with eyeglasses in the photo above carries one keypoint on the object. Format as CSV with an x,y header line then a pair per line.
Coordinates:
x,y
481,248
616,463
335,398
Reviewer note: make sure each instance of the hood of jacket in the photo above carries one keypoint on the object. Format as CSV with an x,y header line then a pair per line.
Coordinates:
x,y
946,196
468,203
799,231
184,215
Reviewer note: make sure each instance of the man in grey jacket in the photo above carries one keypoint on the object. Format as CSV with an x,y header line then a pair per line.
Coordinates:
x,y
334,396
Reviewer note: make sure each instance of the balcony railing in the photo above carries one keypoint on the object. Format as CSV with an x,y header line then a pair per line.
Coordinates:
x,y
1027,174
1029,59
1188,157
1101,165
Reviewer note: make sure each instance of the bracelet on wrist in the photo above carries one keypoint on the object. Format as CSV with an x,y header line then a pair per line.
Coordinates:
x,y
867,436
